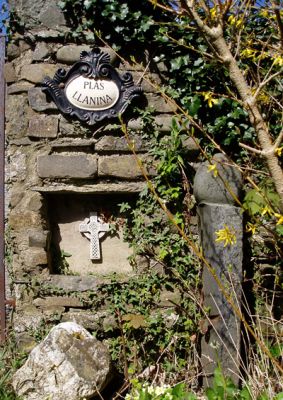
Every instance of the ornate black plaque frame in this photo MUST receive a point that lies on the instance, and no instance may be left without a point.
(94, 64)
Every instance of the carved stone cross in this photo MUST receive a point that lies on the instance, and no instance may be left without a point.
(94, 230)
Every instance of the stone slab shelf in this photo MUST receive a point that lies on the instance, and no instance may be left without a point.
(100, 188)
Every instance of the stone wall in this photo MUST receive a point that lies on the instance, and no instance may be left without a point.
(59, 171)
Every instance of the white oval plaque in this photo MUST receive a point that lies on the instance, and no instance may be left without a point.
(92, 94)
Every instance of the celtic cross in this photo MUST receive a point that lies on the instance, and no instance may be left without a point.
(94, 230)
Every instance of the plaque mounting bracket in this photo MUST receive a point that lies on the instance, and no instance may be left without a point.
(100, 91)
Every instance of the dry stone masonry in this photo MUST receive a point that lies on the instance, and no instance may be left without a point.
(62, 174)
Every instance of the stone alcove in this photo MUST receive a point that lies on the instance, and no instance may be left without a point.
(69, 245)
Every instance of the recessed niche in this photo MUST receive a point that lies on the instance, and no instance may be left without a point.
(81, 241)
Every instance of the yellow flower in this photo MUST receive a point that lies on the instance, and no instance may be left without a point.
(226, 235)
(210, 100)
(232, 19)
(251, 228)
(278, 151)
(213, 168)
(264, 13)
(213, 12)
(280, 219)
(249, 53)
(266, 210)
(278, 61)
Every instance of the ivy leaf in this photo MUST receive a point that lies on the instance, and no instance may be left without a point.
(135, 321)
(254, 202)
(279, 229)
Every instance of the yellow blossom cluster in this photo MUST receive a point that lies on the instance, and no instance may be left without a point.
(226, 235)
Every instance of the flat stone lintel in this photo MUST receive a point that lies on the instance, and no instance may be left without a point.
(73, 283)
(100, 188)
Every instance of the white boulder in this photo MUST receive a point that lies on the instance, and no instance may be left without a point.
(68, 364)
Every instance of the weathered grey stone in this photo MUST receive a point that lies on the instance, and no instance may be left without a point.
(114, 143)
(163, 123)
(20, 87)
(9, 73)
(88, 319)
(37, 72)
(34, 257)
(19, 219)
(43, 126)
(17, 166)
(52, 16)
(124, 167)
(32, 14)
(98, 188)
(226, 261)
(33, 202)
(67, 144)
(191, 145)
(38, 102)
(25, 342)
(37, 238)
(67, 166)
(24, 45)
(68, 364)
(28, 319)
(66, 128)
(71, 53)
(223, 188)
(58, 301)
(71, 283)
(159, 104)
(16, 111)
(13, 51)
(41, 51)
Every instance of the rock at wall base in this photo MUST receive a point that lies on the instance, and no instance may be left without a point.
(68, 364)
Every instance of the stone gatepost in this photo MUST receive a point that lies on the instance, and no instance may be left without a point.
(216, 187)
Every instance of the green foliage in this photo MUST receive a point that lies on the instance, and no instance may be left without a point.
(224, 389)
(10, 361)
(163, 392)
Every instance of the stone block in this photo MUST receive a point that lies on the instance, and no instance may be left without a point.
(33, 14)
(34, 202)
(71, 53)
(226, 262)
(68, 364)
(20, 87)
(9, 73)
(58, 301)
(43, 126)
(67, 166)
(25, 342)
(123, 166)
(37, 72)
(70, 129)
(41, 51)
(17, 166)
(163, 123)
(19, 219)
(222, 188)
(159, 104)
(37, 238)
(38, 101)
(16, 111)
(115, 143)
(72, 283)
(13, 51)
(87, 319)
(34, 257)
